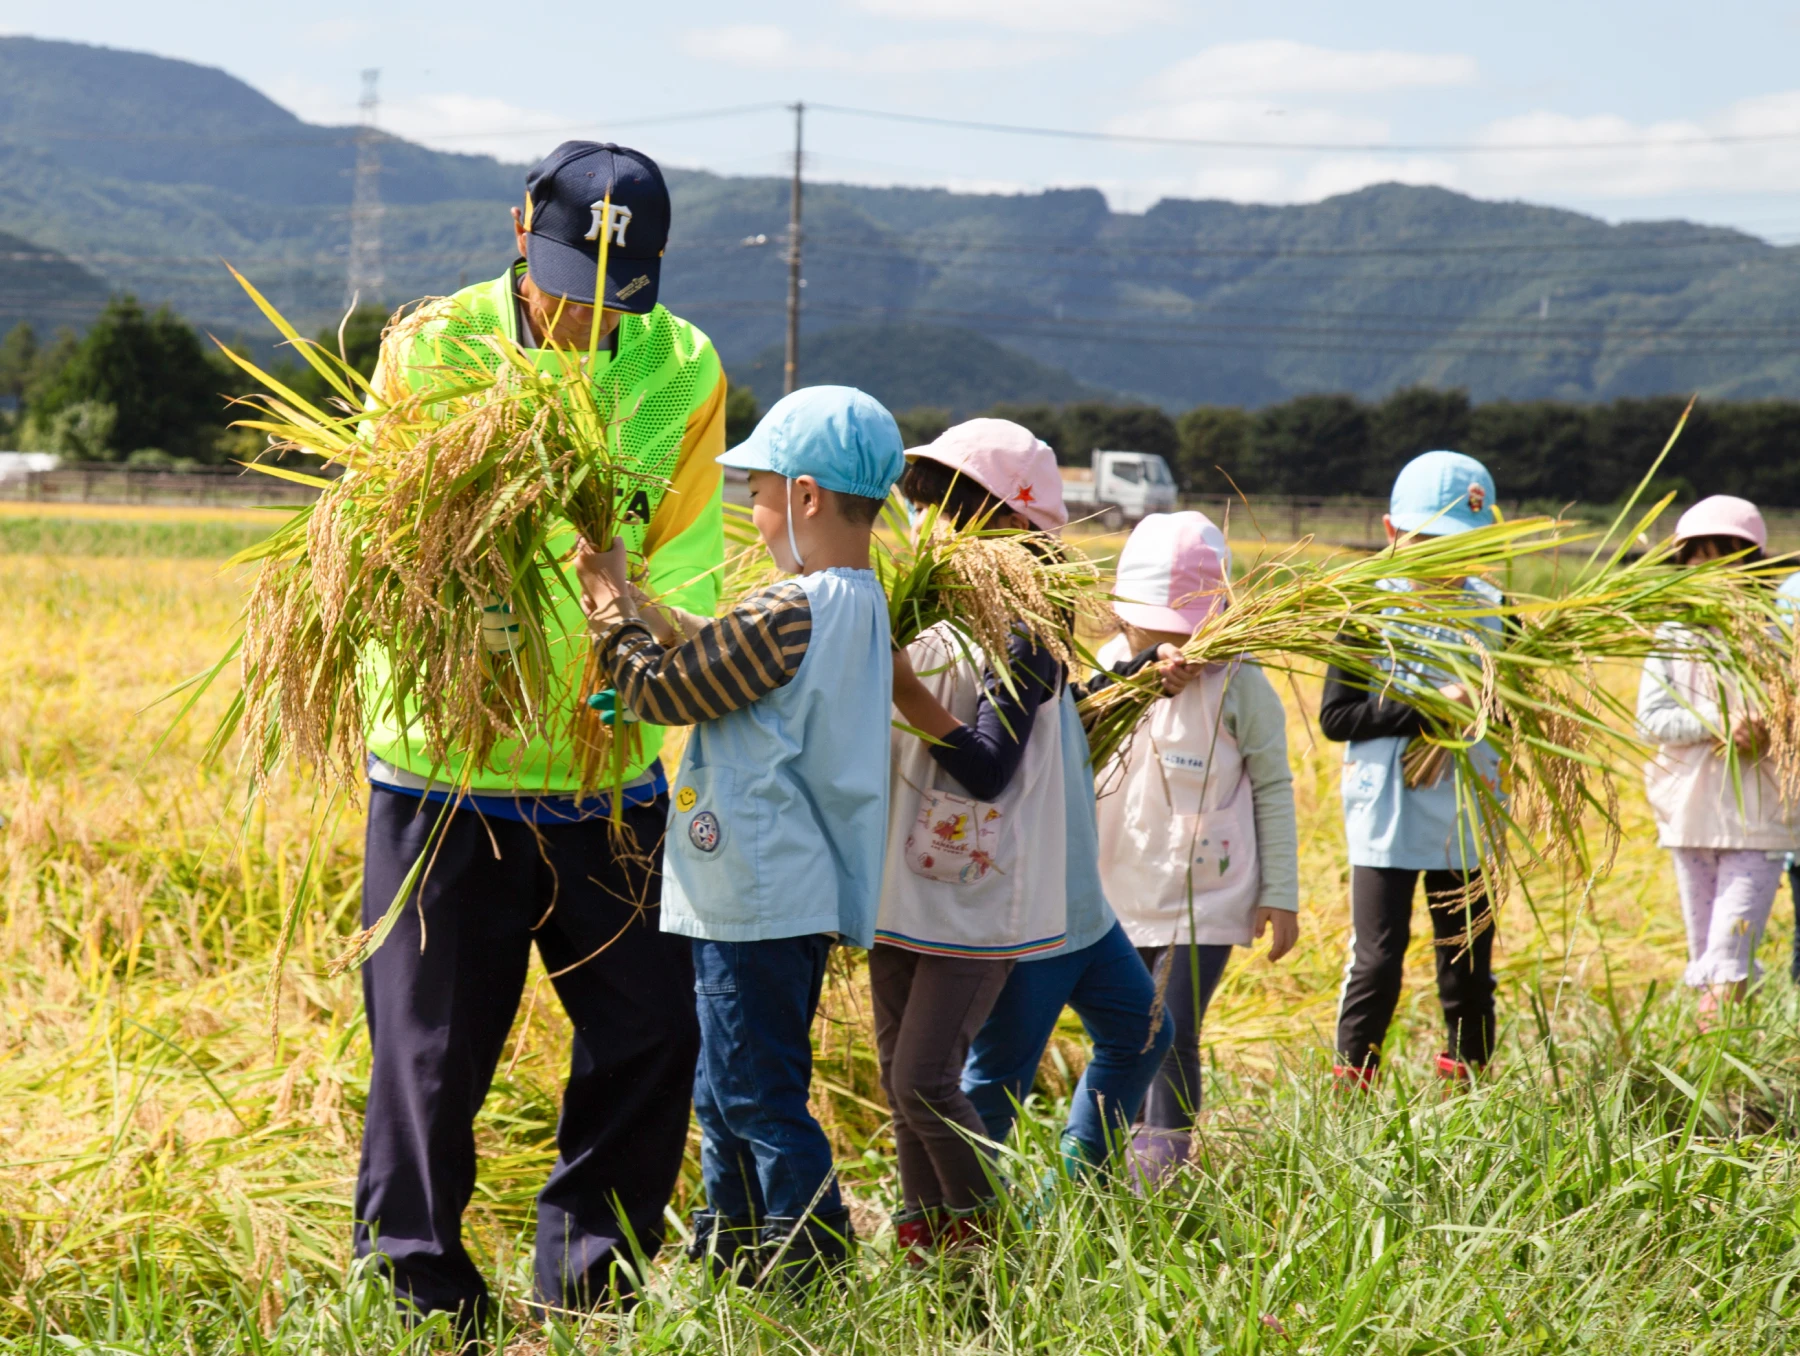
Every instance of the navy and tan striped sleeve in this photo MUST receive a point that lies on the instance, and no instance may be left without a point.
(730, 662)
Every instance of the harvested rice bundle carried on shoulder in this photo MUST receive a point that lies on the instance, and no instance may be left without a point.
(988, 584)
(420, 591)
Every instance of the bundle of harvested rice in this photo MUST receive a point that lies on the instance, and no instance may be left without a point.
(1401, 622)
(422, 583)
(988, 584)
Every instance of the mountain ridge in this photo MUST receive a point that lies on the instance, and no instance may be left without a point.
(1190, 302)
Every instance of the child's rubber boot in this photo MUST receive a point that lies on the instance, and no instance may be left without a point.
(1355, 1077)
(1078, 1160)
(1156, 1156)
(798, 1254)
(915, 1234)
(1455, 1073)
(975, 1227)
(728, 1246)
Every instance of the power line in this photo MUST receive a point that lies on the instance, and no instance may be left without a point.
(1314, 147)
(326, 135)
(316, 134)
(1300, 338)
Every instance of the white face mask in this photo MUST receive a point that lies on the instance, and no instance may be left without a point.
(793, 546)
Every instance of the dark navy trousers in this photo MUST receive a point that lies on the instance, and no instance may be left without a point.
(441, 995)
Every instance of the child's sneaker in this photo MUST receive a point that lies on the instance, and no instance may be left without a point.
(1155, 1157)
(1355, 1077)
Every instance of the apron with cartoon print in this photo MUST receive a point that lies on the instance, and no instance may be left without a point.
(967, 877)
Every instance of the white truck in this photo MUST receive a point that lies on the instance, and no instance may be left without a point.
(1119, 488)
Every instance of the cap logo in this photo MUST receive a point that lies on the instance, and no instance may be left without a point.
(612, 219)
(1024, 495)
(1477, 498)
(637, 284)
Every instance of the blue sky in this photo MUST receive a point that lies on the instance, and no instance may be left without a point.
(1660, 77)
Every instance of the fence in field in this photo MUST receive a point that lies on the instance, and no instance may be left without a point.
(1332, 521)
(220, 486)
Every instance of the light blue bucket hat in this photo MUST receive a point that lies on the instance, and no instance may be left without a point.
(842, 437)
(1438, 494)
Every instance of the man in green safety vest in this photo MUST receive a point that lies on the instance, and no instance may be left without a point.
(522, 857)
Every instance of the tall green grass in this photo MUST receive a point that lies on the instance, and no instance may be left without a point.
(1621, 1184)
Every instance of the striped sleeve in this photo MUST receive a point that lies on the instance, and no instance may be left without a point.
(730, 662)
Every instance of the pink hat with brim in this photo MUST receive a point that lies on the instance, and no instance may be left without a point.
(1172, 572)
(1007, 460)
(1723, 515)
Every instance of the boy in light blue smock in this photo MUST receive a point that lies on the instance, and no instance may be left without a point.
(778, 820)
(1397, 831)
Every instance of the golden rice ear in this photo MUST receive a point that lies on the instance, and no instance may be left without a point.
(456, 494)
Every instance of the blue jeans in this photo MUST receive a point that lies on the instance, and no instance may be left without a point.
(762, 1155)
(1112, 993)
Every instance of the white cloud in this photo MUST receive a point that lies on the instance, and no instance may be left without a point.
(313, 102)
(1276, 66)
(767, 47)
(335, 32)
(1641, 160)
(1249, 120)
(1030, 16)
(1224, 93)
(478, 124)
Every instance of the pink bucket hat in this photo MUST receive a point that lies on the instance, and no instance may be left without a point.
(1007, 460)
(1723, 515)
(1172, 572)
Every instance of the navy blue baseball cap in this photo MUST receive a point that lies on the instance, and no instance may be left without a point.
(565, 201)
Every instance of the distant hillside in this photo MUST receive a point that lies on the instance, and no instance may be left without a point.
(44, 288)
(909, 365)
(148, 170)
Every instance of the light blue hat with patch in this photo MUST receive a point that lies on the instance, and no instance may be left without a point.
(842, 437)
(1438, 494)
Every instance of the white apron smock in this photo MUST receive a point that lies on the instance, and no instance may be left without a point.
(1178, 854)
(1694, 796)
(1001, 878)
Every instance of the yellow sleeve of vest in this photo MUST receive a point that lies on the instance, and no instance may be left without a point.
(684, 542)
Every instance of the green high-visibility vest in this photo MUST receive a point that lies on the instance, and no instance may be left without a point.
(662, 372)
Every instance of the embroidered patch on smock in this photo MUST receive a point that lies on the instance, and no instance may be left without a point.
(685, 798)
(703, 831)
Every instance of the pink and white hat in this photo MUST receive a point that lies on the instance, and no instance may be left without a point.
(1007, 460)
(1723, 515)
(1172, 572)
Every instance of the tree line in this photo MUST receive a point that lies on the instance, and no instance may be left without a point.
(1543, 451)
(142, 387)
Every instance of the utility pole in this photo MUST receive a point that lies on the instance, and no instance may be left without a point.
(791, 371)
(365, 281)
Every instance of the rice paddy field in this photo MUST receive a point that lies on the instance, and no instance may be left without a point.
(178, 1138)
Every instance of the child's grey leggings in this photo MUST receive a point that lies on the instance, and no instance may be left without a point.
(927, 1011)
(1192, 974)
